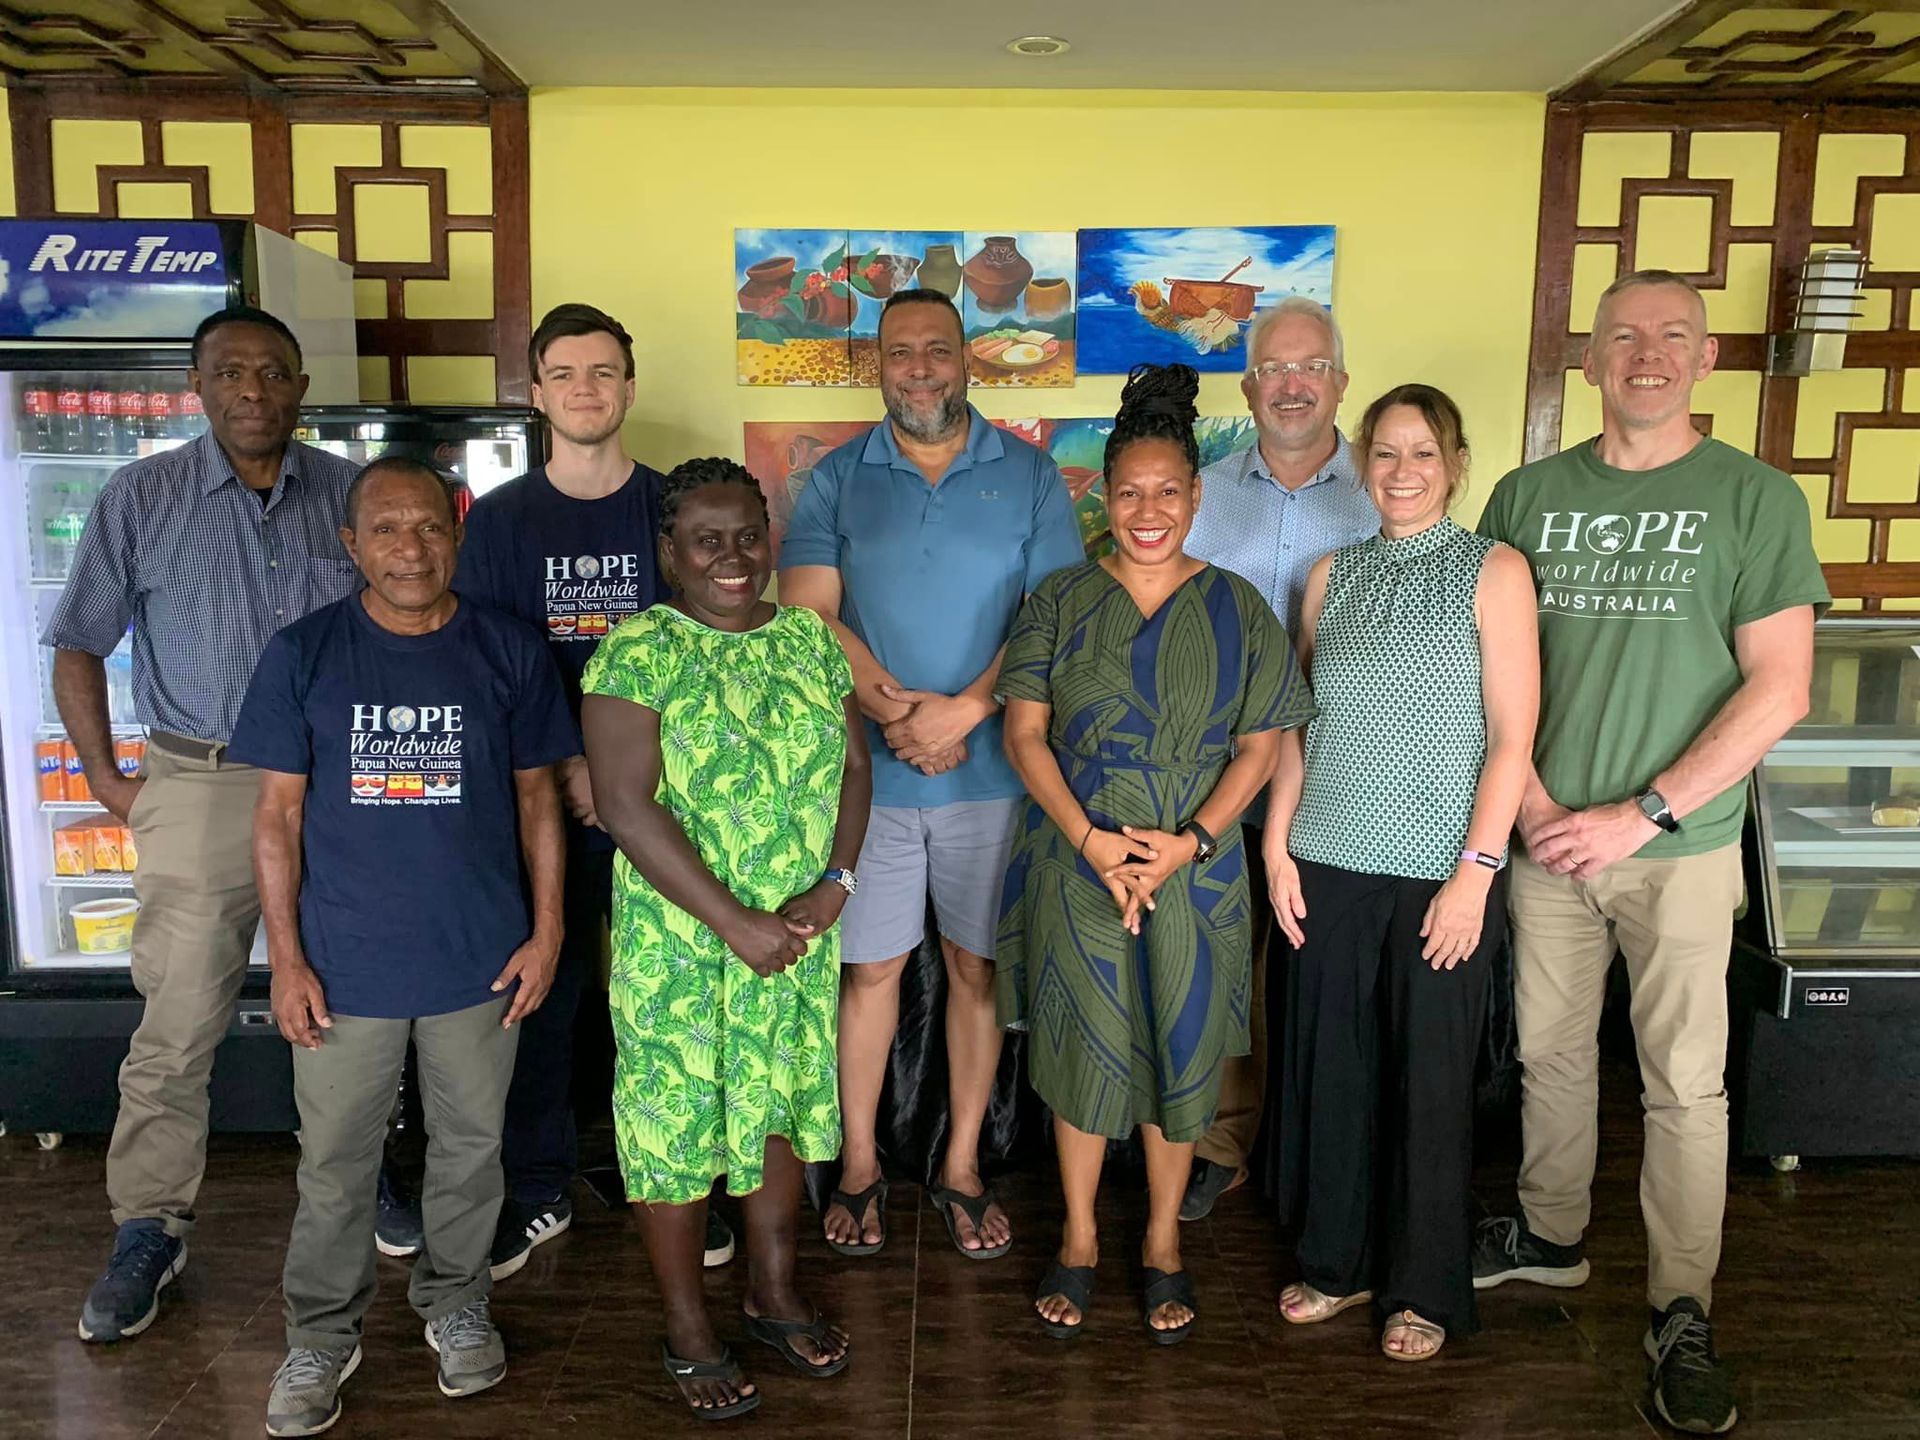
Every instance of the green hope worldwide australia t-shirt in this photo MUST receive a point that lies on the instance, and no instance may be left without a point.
(1643, 576)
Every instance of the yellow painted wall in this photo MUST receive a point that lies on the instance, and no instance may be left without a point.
(636, 194)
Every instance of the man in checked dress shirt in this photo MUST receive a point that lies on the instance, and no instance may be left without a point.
(1267, 513)
(205, 551)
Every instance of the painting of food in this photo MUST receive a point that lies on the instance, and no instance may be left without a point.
(1189, 295)
(882, 262)
(1017, 305)
(794, 307)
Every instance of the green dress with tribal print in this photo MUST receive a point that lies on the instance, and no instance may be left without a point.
(711, 1058)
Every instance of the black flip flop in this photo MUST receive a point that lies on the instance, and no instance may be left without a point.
(1165, 1289)
(857, 1206)
(725, 1368)
(975, 1209)
(1072, 1283)
(779, 1334)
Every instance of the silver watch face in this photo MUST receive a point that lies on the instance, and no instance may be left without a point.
(1651, 805)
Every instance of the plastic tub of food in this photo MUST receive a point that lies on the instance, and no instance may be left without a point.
(104, 927)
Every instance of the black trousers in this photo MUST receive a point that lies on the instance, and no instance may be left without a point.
(1377, 1099)
(540, 1146)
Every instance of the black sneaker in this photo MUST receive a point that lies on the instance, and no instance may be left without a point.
(1504, 1249)
(1206, 1183)
(1691, 1388)
(397, 1227)
(719, 1239)
(524, 1226)
(124, 1300)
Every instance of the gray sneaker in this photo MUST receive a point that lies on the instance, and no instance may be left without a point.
(306, 1390)
(473, 1357)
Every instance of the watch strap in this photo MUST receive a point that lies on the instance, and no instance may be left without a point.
(1199, 832)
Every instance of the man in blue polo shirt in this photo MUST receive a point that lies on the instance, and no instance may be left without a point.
(406, 739)
(917, 543)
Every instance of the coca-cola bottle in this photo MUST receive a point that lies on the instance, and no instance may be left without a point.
(70, 420)
(37, 418)
(129, 420)
(193, 416)
(99, 438)
(159, 414)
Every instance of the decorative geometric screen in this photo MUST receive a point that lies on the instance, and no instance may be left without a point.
(1734, 196)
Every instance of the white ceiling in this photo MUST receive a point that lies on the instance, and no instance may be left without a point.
(1530, 45)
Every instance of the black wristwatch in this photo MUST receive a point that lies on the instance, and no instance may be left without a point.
(1654, 806)
(1206, 842)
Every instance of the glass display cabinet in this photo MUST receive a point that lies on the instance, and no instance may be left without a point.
(1826, 975)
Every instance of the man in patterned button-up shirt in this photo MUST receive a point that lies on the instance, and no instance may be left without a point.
(1267, 513)
(205, 551)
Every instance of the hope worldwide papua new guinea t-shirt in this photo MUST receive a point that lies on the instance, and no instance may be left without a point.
(1643, 576)
(572, 568)
(411, 900)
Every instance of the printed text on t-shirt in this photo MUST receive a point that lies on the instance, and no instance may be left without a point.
(587, 595)
(1601, 574)
(406, 754)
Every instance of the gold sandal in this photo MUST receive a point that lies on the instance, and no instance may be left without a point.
(1320, 1306)
(1407, 1324)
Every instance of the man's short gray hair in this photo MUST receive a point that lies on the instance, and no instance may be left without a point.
(1296, 305)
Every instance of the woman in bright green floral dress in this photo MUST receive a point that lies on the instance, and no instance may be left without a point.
(730, 766)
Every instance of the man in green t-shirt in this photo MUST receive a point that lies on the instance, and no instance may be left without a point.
(1677, 591)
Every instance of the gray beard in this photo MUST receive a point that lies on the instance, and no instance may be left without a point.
(951, 415)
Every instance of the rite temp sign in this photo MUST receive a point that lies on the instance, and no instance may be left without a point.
(111, 279)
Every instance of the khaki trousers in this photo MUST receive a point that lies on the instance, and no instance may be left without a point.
(1672, 920)
(1243, 1078)
(193, 824)
(345, 1091)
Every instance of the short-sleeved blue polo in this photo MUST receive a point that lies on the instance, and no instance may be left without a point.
(933, 575)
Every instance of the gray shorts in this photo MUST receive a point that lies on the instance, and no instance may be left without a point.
(959, 851)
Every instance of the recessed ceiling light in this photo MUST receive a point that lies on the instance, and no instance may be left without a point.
(1038, 45)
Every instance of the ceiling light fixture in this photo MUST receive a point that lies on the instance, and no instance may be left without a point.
(1038, 45)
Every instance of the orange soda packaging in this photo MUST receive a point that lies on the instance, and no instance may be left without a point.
(129, 852)
(51, 763)
(129, 754)
(78, 791)
(104, 837)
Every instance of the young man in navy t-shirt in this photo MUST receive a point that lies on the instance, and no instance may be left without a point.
(406, 738)
(571, 549)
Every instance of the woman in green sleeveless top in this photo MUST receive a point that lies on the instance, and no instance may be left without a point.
(1420, 644)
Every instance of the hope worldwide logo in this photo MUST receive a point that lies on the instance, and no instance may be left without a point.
(587, 595)
(409, 755)
(1645, 564)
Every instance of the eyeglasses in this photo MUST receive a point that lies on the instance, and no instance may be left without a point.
(1270, 370)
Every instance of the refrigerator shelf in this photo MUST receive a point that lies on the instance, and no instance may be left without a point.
(110, 881)
(72, 807)
(91, 460)
(46, 730)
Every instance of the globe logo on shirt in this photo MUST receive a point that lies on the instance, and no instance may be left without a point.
(1607, 534)
(401, 718)
(586, 567)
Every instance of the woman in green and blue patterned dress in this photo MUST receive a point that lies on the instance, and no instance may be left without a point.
(1146, 692)
(730, 767)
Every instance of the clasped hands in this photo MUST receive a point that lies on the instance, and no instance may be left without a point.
(1134, 863)
(926, 729)
(768, 941)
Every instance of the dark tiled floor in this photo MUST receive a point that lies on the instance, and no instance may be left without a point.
(1815, 1309)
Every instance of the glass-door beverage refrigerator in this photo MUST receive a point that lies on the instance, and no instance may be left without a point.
(93, 374)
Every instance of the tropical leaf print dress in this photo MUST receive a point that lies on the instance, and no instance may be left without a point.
(1126, 1029)
(711, 1058)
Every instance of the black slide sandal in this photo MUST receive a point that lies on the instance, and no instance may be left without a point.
(725, 1368)
(857, 1206)
(974, 1207)
(1165, 1289)
(779, 1334)
(1072, 1283)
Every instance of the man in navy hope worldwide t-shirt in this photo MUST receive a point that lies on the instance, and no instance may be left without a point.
(571, 548)
(406, 737)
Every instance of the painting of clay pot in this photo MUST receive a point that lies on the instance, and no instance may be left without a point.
(889, 273)
(829, 309)
(997, 275)
(766, 280)
(1048, 297)
(941, 270)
